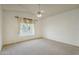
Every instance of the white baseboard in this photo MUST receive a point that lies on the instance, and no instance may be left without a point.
(23, 41)
(62, 42)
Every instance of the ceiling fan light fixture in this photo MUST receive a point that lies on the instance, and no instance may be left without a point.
(39, 15)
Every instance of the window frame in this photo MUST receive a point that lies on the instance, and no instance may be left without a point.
(27, 35)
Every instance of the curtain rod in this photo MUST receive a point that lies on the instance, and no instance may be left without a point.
(23, 17)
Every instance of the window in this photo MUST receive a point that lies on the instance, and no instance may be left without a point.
(26, 29)
(25, 26)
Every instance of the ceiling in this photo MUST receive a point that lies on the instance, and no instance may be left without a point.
(48, 9)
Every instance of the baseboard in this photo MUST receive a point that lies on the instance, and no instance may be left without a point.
(62, 42)
(22, 41)
(41, 38)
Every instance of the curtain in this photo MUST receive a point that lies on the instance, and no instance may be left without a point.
(24, 20)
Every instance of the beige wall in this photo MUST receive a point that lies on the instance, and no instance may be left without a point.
(63, 27)
(10, 27)
(0, 27)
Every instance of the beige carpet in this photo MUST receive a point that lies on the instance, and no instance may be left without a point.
(40, 47)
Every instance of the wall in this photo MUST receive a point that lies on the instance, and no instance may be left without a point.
(63, 27)
(0, 27)
(10, 27)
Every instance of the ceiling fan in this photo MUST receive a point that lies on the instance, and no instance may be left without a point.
(39, 12)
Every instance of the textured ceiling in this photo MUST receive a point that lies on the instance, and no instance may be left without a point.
(49, 9)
